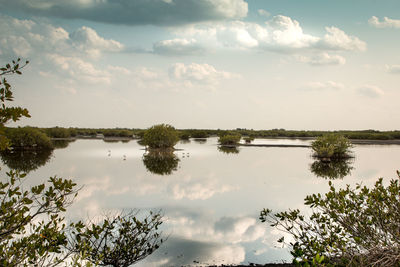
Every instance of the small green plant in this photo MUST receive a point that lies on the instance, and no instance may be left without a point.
(348, 227)
(160, 136)
(229, 139)
(331, 146)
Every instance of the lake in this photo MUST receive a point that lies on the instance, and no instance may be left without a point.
(210, 198)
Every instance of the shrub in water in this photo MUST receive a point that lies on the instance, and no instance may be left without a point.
(184, 136)
(161, 136)
(28, 138)
(229, 139)
(331, 146)
(199, 134)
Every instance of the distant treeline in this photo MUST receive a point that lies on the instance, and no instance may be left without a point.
(60, 132)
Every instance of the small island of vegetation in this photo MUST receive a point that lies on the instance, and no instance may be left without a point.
(331, 146)
(229, 139)
(161, 136)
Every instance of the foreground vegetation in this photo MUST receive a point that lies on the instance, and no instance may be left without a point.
(33, 231)
(348, 227)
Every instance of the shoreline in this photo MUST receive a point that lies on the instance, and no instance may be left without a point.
(353, 141)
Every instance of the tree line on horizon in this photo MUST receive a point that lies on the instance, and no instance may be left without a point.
(74, 132)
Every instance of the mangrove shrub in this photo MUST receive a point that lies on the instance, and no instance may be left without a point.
(120, 240)
(160, 136)
(331, 146)
(28, 138)
(59, 132)
(229, 139)
(348, 227)
(199, 134)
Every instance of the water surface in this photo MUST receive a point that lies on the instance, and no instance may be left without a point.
(210, 198)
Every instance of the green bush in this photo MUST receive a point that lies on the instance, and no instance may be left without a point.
(184, 136)
(117, 133)
(120, 240)
(57, 132)
(331, 146)
(161, 136)
(229, 139)
(347, 227)
(27, 138)
(199, 134)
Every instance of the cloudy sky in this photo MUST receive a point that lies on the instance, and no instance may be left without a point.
(258, 64)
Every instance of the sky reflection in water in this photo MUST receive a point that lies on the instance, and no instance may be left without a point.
(211, 199)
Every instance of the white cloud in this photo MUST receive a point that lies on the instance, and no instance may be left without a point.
(57, 53)
(393, 69)
(178, 47)
(87, 39)
(238, 229)
(80, 70)
(280, 33)
(263, 12)
(27, 38)
(198, 73)
(119, 70)
(371, 91)
(386, 23)
(324, 85)
(236, 35)
(202, 226)
(337, 39)
(322, 59)
(204, 188)
(288, 33)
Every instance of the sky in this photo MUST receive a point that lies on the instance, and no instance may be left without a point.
(256, 64)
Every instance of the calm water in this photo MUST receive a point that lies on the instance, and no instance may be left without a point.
(211, 199)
